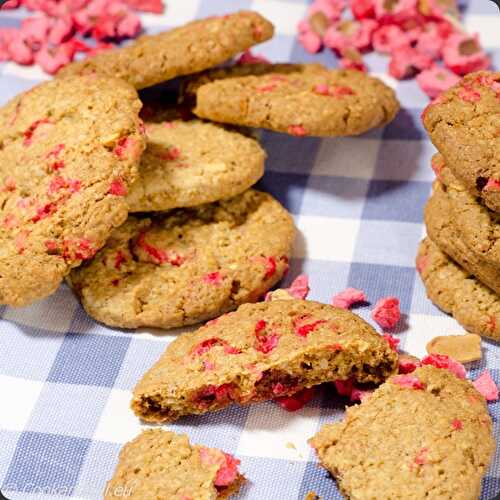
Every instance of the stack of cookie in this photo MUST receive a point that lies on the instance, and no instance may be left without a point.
(459, 261)
(155, 223)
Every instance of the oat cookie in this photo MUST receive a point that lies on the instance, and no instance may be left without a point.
(190, 86)
(196, 46)
(441, 228)
(463, 123)
(308, 102)
(188, 265)
(427, 434)
(69, 148)
(454, 290)
(162, 464)
(479, 227)
(189, 163)
(260, 352)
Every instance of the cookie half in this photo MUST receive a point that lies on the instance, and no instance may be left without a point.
(188, 163)
(463, 123)
(441, 228)
(457, 292)
(307, 102)
(196, 46)
(162, 464)
(69, 149)
(189, 265)
(478, 226)
(260, 352)
(427, 434)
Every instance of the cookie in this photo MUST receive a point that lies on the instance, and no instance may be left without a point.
(188, 265)
(190, 85)
(479, 227)
(427, 434)
(196, 46)
(189, 163)
(68, 151)
(454, 290)
(464, 123)
(308, 102)
(441, 228)
(261, 351)
(163, 464)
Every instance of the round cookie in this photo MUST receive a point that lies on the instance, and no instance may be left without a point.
(464, 123)
(189, 163)
(190, 85)
(196, 46)
(440, 223)
(188, 265)
(308, 102)
(478, 226)
(69, 148)
(427, 434)
(455, 291)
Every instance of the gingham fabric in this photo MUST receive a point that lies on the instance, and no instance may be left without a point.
(65, 380)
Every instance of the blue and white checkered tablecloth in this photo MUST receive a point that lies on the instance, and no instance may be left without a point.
(65, 380)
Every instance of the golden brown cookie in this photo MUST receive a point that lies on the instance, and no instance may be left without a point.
(193, 47)
(164, 465)
(190, 85)
(308, 102)
(478, 226)
(188, 265)
(69, 148)
(464, 123)
(427, 434)
(260, 352)
(441, 228)
(188, 163)
(454, 290)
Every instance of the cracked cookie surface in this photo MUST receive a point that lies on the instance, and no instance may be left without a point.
(464, 124)
(69, 148)
(196, 46)
(441, 228)
(259, 352)
(454, 290)
(188, 163)
(427, 434)
(314, 101)
(163, 464)
(188, 265)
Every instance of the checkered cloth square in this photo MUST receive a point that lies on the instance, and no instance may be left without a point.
(65, 380)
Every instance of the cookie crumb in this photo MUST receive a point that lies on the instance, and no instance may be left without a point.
(463, 348)
(311, 495)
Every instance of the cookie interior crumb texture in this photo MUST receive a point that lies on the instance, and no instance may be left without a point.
(314, 101)
(69, 149)
(162, 464)
(260, 352)
(188, 163)
(423, 435)
(188, 265)
(196, 46)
